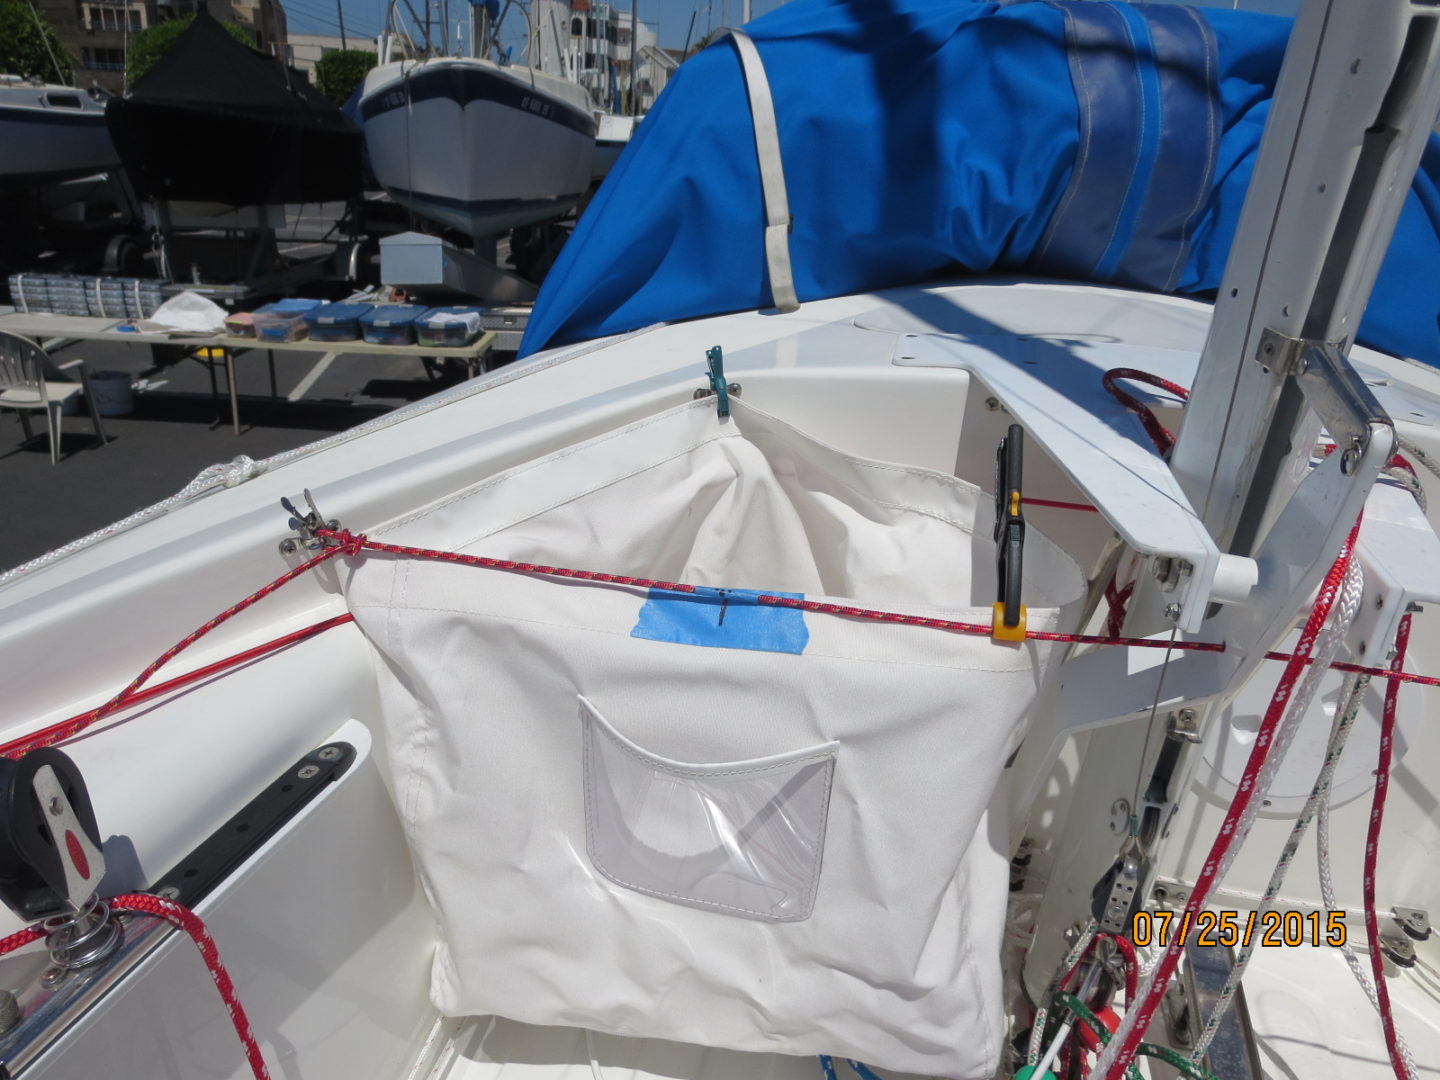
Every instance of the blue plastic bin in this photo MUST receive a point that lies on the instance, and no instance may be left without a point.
(336, 322)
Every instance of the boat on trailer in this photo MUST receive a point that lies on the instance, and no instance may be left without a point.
(476, 144)
(871, 678)
(51, 132)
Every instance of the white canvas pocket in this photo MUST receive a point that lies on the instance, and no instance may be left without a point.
(744, 837)
(679, 867)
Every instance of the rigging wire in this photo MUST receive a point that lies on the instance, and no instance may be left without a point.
(1239, 816)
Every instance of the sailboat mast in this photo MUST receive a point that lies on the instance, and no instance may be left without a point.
(1354, 106)
(634, 54)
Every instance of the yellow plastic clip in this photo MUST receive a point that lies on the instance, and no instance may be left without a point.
(1000, 632)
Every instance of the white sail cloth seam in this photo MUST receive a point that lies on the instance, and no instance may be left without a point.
(676, 453)
(772, 174)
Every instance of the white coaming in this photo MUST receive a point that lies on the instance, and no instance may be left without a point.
(325, 933)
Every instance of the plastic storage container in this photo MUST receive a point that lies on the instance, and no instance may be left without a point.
(279, 326)
(284, 320)
(336, 322)
(241, 324)
(448, 327)
(391, 324)
(290, 307)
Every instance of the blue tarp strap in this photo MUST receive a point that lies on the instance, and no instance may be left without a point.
(1145, 84)
(772, 174)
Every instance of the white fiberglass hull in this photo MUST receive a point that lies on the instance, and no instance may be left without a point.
(476, 146)
(50, 133)
(612, 136)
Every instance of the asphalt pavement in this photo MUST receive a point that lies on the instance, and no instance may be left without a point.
(178, 428)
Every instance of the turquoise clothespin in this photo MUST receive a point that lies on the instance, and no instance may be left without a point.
(715, 361)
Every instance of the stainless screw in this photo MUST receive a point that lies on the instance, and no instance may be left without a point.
(52, 977)
(56, 806)
(169, 892)
(289, 546)
(329, 753)
(1349, 461)
(1172, 612)
(308, 772)
(993, 404)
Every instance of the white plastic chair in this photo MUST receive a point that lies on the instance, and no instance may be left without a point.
(25, 388)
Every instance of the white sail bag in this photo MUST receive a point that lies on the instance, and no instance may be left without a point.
(696, 816)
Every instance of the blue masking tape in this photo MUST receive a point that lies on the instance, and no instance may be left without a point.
(722, 619)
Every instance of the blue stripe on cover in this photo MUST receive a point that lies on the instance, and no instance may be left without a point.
(1144, 82)
(953, 145)
(722, 619)
(1103, 72)
(1185, 63)
(1147, 140)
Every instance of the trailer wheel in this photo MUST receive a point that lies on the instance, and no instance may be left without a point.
(123, 257)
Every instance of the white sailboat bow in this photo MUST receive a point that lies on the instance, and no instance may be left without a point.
(662, 706)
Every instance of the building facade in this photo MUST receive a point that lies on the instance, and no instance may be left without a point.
(305, 50)
(96, 34)
(589, 42)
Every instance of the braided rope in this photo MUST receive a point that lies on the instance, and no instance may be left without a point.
(1067, 965)
(1357, 687)
(1159, 434)
(1404, 1070)
(1419, 454)
(70, 728)
(182, 917)
(1344, 615)
(243, 468)
(1239, 817)
(226, 474)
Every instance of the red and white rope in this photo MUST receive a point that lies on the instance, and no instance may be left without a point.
(351, 544)
(1350, 699)
(1239, 817)
(68, 729)
(1159, 434)
(1404, 1070)
(1343, 616)
(180, 916)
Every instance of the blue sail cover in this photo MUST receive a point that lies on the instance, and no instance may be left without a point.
(1102, 141)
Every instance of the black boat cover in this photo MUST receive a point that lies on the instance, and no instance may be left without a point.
(217, 121)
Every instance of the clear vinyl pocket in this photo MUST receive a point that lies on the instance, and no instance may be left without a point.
(744, 837)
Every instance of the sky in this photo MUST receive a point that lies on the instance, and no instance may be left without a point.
(364, 18)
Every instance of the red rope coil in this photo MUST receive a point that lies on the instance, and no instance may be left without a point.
(1159, 434)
